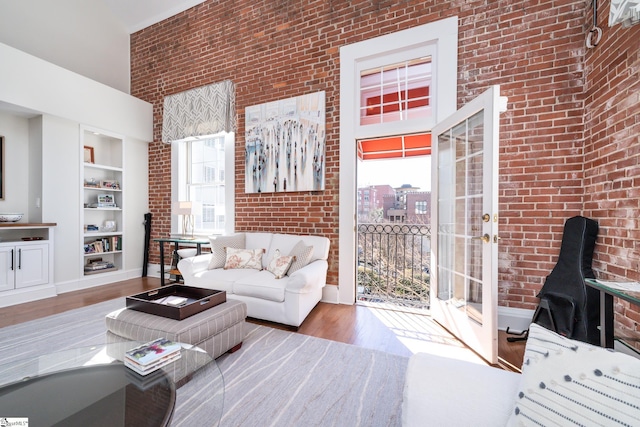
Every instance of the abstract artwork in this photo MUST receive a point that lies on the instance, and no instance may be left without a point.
(285, 145)
(625, 12)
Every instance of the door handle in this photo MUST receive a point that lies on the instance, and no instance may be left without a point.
(485, 238)
(19, 259)
(12, 259)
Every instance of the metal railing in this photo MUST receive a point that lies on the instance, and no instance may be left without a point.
(393, 264)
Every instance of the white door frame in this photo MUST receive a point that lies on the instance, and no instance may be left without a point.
(440, 37)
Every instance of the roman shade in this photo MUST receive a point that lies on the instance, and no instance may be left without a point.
(205, 110)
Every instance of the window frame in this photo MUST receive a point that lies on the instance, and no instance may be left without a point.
(180, 176)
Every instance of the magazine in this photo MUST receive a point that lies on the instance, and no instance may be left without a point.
(151, 352)
(147, 369)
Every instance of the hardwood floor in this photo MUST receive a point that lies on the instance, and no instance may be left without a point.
(385, 330)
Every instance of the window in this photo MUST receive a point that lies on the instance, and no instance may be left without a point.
(421, 208)
(396, 92)
(201, 178)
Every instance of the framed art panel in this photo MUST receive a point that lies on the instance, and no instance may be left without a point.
(285, 145)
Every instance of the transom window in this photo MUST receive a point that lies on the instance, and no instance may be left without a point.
(395, 92)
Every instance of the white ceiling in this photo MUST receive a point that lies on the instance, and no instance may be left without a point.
(139, 14)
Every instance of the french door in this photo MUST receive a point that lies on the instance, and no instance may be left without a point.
(464, 265)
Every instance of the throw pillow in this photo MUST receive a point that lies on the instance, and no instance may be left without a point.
(243, 258)
(280, 264)
(568, 382)
(218, 251)
(303, 254)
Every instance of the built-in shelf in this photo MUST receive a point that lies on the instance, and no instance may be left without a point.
(101, 184)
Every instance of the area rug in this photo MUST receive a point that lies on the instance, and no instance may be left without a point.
(277, 378)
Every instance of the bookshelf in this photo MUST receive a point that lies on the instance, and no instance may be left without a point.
(102, 195)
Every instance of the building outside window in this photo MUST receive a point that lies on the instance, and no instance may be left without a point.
(202, 179)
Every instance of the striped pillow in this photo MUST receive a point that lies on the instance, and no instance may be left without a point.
(302, 256)
(567, 382)
(218, 248)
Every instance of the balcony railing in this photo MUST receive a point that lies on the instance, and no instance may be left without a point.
(393, 264)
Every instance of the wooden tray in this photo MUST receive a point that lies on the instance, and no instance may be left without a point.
(155, 301)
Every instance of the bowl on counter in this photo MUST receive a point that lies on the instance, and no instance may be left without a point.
(10, 217)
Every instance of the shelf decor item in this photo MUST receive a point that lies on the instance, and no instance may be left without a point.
(106, 201)
(88, 154)
(10, 217)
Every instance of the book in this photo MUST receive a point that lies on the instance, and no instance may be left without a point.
(152, 367)
(154, 351)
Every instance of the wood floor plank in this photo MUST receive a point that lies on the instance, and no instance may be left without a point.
(384, 330)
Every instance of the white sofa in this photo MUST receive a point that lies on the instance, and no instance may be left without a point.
(563, 382)
(287, 300)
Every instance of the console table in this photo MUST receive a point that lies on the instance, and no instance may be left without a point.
(177, 241)
(606, 307)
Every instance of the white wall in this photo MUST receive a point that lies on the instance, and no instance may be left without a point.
(82, 36)
(42, 107)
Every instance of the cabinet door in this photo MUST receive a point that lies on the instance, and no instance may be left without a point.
(7, 276)
(32, 265)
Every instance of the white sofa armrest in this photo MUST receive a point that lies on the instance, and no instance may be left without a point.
(190, 266)
(441, 391)
(312, 275)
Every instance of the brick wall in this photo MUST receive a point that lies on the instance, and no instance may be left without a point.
(612, 156)
(534, 49)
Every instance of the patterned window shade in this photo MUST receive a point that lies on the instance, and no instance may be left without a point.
(205, 110)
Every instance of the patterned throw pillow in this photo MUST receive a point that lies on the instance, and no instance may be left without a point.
(218, 251)
(302, 256)
(280, 264)
(568, 382)
(244, 258)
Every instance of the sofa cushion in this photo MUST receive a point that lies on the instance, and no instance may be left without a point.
(286, 242)
(568, 382)
(219, 278)
(279, 264)
(263, 285)
(259, 241)
(244, 258)
(218, 251)
(302, 254)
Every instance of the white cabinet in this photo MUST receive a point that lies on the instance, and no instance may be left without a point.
(26, 261)
(23, 265)
(102, 212)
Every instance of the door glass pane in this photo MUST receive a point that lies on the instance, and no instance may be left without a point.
(460, 216)
(446, 209)
(475, 135)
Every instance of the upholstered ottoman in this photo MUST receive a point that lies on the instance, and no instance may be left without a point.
(217, 330)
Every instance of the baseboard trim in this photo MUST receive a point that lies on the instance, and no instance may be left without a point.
(330, 294)
(23, 295)
(516, 319)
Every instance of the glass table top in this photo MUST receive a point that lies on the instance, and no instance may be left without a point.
(628, 291)
(98, 379)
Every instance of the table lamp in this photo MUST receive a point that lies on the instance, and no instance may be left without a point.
(185, 209)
